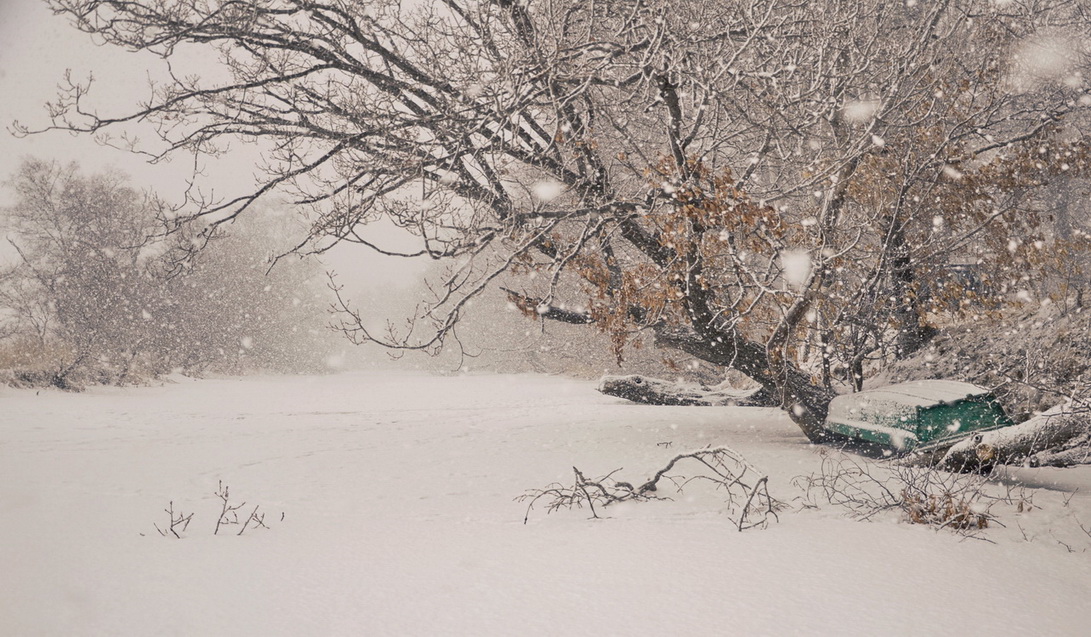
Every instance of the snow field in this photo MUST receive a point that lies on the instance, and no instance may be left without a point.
(397, 493)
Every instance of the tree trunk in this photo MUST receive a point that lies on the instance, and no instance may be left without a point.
(912, 331)
(792, 390)
(787, 386)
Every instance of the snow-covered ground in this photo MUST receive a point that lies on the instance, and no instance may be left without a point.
(398, 519)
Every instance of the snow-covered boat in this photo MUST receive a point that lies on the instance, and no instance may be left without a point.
(918, 415)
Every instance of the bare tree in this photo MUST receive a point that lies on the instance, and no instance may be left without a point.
(91, 295)
(747, 180)
(81, 280)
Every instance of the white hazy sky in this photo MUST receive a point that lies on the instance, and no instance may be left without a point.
(37, 47)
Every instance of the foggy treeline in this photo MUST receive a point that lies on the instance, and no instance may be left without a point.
(96, 293)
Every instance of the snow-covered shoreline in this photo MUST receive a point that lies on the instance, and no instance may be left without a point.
(397, 494)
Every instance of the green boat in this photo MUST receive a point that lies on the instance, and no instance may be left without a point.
(916, 416)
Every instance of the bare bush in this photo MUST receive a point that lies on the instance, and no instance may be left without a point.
(93, 297)
(922, 495)
(746, 488)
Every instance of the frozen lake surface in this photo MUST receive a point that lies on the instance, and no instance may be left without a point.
(396, 493)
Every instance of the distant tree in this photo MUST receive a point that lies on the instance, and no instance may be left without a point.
(82, 280)
(756, 183)
(90, 286)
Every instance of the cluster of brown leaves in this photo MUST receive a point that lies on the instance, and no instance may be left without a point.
(721, 237)
(942, 511)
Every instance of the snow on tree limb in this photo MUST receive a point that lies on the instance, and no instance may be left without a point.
(1036, 441)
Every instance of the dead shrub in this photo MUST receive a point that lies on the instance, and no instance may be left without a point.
(923, 495)
(30, 363)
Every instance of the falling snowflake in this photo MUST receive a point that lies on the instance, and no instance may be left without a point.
(1042, 59)
(548, 190)
(859, 111)
(796, 265)
(952, 173)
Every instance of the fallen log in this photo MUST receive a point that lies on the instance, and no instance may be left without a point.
(1074, 452)
(653, 391)
(1054, 437)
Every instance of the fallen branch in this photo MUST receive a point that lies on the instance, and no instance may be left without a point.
(746, 488)
(653, 391)
(1052, 438)
(604, 491)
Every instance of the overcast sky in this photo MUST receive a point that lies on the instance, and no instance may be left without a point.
(37, 47)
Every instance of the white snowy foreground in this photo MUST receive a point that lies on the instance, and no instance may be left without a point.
(398, 519)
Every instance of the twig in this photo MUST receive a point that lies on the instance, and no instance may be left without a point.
(175, 520)
(227, 510)
(258, 520)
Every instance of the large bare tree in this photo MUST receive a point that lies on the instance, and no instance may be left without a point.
(742, 178)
